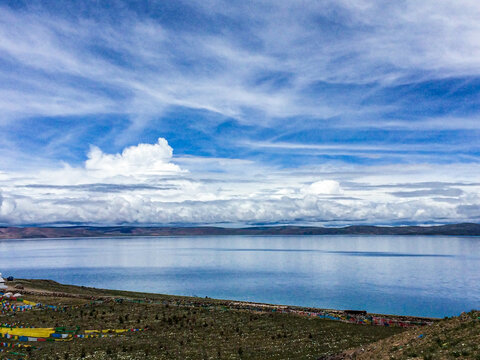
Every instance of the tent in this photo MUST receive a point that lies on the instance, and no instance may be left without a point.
(2, 283)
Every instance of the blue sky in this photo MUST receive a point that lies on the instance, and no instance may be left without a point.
(204, 112)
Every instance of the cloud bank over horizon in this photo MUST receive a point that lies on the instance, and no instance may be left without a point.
(213, 112)
(144, 185)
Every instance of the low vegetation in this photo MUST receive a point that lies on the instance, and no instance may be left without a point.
(175, 329)
(454, 338)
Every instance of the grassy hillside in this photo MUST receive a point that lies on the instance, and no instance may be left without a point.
(196, 328)
(176, 327)
(454, 338)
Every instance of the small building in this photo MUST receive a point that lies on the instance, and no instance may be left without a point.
(2, 283)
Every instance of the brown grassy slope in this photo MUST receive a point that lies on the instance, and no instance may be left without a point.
(178, 330)
(454, 338)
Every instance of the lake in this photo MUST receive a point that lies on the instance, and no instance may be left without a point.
(414, 275)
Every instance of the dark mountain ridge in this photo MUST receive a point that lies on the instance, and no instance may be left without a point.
(463, 229)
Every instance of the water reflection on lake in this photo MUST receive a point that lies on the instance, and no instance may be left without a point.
(424, 276)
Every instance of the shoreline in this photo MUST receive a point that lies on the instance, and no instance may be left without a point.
(228, 235)
(54, 321)
(52, 232)
(343, 315)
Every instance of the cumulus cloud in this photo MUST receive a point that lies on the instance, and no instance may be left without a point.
(144, 184)
(7, 206)
(342, 65)
(143, 159)
(324, 187)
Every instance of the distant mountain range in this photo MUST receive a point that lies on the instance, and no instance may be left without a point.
(465, 229)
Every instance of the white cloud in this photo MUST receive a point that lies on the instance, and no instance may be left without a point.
(381, 42)
(324, 187)
(7, 206)
(136, 68)
(144, 184)
(142, 159)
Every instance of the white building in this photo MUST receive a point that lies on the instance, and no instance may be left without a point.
(2, 283)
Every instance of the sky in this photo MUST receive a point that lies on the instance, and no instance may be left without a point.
(239, 113)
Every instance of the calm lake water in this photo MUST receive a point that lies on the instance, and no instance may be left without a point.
(424, 276)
